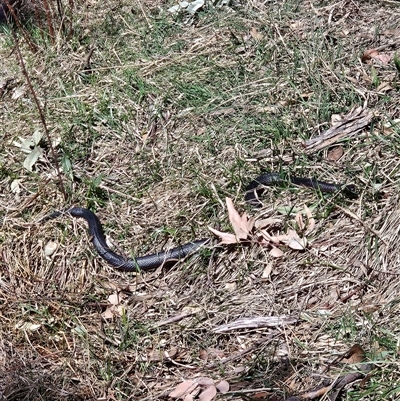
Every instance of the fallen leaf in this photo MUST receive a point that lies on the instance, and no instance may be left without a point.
(205, 381)
(266, 222)
(255, 34)
(368, 54)
(299, 220)
(383, 58)
(208, 394)
(226, 238)
(18, 92)
(33, 157)
(108, 314)
(267, 271)
(311, 220)
(223, 386)
(182, 388)
(239, 223)
(355, 355)
(113, 299)
(298, 244)
(373, 54)
(276, 253)
(50, 248)
(291, 239)
(335, 154)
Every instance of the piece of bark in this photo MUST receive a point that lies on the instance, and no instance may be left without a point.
(351, 125)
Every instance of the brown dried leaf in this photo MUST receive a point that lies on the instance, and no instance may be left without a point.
(108, 314)
(311, 220)
(223, 386)
(113, 299)
(355, 355)
(368, 54)
(205, 381)
(182, 388)
(267, 271)
(239, 223)
(373, 54)
(276, 253)
(264, 223)
(299, 220)
(226, 238)
(255, 34)
(208, 394)
(383, 58)
(335, 154)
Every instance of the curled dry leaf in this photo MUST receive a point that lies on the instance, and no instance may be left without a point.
(373, 54)
(255, 34)
(242, 226)
(335, 154)
(208, 394)
(113, 299)
(264, 223)
(182, 388)
(223, 386)
(239, 223)
(276, 253)
(226, 238)
(355, 355)
(299, 221)
(205, 381)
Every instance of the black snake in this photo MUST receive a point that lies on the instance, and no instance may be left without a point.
(155, 260)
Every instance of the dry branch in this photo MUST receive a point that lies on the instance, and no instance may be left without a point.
(256, 323)
(351, 125)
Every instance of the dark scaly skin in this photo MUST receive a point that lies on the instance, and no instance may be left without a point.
(147, 262)
(173, 255)
(270, 179)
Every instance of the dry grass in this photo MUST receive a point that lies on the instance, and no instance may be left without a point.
(154, 128)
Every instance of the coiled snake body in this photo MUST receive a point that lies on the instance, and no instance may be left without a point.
(155, 260)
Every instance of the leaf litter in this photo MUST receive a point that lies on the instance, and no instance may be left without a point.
(203, 388)
(264, 231)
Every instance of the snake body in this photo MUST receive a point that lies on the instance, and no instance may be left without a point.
(270, 179)
(121, 263)
(173, 255)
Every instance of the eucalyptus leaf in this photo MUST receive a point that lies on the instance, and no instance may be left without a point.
(33, 157)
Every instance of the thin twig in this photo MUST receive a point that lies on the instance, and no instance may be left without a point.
(41, 114)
